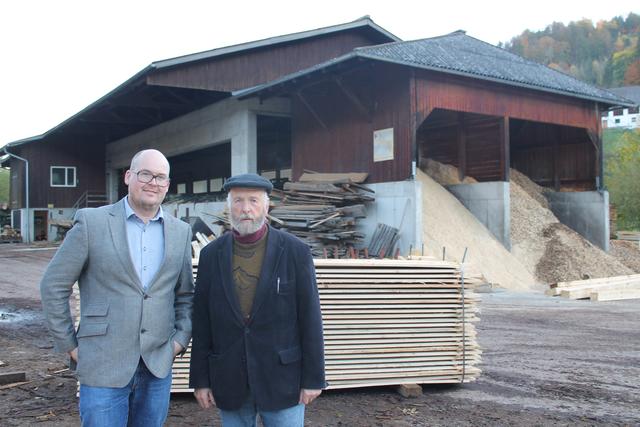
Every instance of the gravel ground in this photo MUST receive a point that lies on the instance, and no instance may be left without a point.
(547, 361)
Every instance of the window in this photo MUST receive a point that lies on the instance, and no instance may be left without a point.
(200, 186)
(63, 176)
(215, 184)
(634, 110)
(618, 111)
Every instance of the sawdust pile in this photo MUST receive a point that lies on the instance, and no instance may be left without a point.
(444, 174)
(628, 253)
(550, 250)
(447, 223)
(543, 250)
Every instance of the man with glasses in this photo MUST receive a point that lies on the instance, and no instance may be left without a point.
(133, 267)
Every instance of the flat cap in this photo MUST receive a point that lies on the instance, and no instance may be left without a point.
(248, 180)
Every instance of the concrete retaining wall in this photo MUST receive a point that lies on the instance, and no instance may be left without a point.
(586, 212)
(490, 203)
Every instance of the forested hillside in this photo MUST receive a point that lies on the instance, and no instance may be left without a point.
(606, 53)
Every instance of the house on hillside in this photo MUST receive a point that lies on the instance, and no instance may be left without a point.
(347, 98)
(621, 116)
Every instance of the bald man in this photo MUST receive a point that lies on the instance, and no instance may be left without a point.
(133, 266)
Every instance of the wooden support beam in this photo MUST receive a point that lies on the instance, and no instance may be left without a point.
(12, 377)
(366, 112)
(409, 390)
(556, 163)
(505, 155)
(462, 147)
(311, 109)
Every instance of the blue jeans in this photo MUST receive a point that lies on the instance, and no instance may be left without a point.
(247, 415)
(142, 402)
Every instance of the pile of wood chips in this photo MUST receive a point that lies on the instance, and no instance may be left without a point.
(603, 289)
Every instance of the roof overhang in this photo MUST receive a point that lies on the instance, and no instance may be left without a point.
(277, 86)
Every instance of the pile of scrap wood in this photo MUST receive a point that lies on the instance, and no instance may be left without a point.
(391, 322)
(200, 241)
(9, 235)
(604, 289)
(322, 209)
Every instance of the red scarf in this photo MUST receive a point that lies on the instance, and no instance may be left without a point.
(250, 238)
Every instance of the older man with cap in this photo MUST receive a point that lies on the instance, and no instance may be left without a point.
(257, 328)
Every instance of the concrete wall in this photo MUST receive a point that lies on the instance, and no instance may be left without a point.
(585, 212)
(398, 204)
(490, 203)
(228, 120)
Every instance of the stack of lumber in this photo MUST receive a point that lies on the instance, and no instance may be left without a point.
(390, 322)
(632, 236)
(604, 289)
(322, 210)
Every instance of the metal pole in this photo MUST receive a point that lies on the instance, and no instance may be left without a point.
(26, 184)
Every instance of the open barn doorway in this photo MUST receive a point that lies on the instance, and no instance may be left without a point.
(274, 148)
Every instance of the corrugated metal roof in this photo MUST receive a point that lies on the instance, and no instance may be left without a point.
(632, 93)
(459, 54)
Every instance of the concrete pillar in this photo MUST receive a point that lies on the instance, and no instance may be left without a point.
(244, 145)
(111, 183)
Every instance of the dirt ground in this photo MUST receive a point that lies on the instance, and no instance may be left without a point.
(547, 361)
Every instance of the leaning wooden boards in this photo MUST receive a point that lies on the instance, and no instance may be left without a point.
(391, 322)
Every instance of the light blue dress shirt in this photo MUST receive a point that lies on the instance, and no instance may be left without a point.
(146, 243)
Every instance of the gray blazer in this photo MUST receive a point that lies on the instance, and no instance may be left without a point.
(120, 322)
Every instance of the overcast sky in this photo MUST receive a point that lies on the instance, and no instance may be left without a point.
(58, 56)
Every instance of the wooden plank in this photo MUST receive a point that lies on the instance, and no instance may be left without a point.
(583, 293)
(615, 294)
(336, 178)
(612, 279)
(12, 377)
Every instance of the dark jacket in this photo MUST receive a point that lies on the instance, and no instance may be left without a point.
(280, 349)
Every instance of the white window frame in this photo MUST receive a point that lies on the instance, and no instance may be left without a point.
(66, 184)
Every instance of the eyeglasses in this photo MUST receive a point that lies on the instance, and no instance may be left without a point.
(146, 177)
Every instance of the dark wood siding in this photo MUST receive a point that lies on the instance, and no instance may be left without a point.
(548, 134)
(435, 90)
(346, 143)
(464, 140)
(247, 69)
(562, 157)
(17, 190)
(88, 158)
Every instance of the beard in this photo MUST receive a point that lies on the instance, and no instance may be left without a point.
(245, 224)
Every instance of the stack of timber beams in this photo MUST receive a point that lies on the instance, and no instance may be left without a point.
(603, 289)
(322, 210)
(391, 322)
(631, 236)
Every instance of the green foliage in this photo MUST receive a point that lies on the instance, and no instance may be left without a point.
(622, 175)
(4, 185)
(599, 54)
